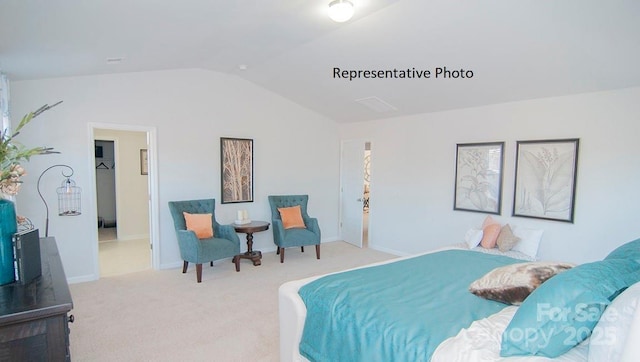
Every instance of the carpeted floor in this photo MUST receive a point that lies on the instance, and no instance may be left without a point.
(123, 257)
(166, 316)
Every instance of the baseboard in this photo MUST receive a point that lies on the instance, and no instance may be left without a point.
(177, 264)
(133, 237)
(82, 279)
(388, 251)
(330, 239)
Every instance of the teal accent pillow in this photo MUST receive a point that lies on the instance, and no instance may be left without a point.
(630, 250)
(563, 311)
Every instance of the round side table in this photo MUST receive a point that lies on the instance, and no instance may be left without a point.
(254, 255)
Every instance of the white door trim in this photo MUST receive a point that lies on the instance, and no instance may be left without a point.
(154, 227)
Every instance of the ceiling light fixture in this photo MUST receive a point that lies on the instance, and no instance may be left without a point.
(340, 10)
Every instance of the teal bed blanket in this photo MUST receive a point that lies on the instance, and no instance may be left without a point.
(399, 311)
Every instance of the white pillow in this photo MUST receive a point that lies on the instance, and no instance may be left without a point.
(607, 342)
(473, 237)
(529, 240)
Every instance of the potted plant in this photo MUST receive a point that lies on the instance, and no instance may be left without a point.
(12, 153)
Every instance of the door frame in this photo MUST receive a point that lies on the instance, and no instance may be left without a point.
(154, 227)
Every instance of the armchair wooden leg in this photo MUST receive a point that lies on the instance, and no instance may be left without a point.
(211, 263)
(236, 261)
(318, 251)
(302, 249)
(184, 266)
(281, 255)
(278, 251)
(199, 272)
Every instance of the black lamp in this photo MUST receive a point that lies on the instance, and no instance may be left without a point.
(69, 196)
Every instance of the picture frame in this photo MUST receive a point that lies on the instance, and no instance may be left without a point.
(545, 179)
(144, 161)
(236, 170)
(478, 177)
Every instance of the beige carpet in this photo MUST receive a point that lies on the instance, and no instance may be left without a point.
(123, 257)
(166, 316)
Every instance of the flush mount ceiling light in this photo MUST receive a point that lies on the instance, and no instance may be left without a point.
(340, 10)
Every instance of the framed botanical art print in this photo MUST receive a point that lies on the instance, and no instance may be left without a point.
(479, 177)
(236, 162)
(545, 184)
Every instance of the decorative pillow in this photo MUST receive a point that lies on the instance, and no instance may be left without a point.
(488, 221)
(529, 240)
(490, 236)
(563, 311)
(506, 240)
(473, 237)
(291, 217)
(511, 284)
(630, 250)
(201, 224)
(607, 342)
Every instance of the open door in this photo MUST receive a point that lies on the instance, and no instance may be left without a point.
(352, 191)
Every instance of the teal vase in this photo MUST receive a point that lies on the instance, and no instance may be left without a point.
(8, 227)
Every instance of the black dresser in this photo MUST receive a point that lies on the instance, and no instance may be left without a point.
(34, 317)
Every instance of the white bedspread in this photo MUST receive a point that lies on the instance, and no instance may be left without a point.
(481, 342)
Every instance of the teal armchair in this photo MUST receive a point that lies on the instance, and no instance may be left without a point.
(225, 243)
(284, 238)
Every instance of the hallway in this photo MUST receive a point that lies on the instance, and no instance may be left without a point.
(121, 257)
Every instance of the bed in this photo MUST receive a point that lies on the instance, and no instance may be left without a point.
(438, 319)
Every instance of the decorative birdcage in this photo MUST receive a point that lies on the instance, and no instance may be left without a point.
(69, 198)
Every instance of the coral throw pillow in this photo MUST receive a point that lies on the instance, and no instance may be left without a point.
(201, 224)
(490, 236)
(291, 217)
(488, 221)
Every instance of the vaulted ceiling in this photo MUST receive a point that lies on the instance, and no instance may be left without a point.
(515, 49)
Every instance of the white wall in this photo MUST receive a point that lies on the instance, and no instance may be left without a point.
(412, 172)
(295, 150)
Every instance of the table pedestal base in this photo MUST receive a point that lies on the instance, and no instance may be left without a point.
(255, 256)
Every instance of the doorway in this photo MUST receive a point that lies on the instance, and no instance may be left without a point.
(355, 191)
(122, 201)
